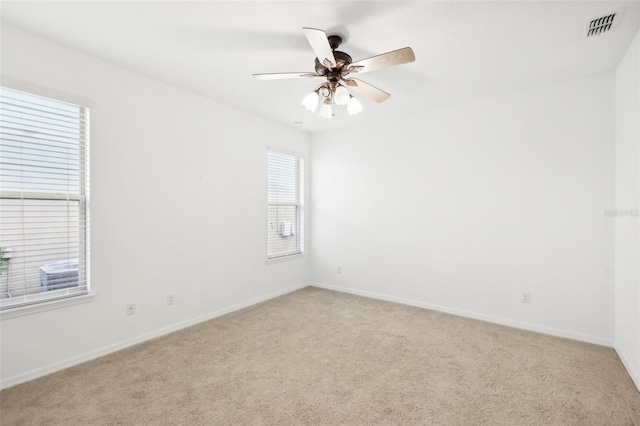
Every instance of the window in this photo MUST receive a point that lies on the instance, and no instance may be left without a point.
(285, 210)
(44, 199)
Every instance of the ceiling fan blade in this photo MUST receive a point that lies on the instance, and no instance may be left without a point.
(366, 89)
(320, 45)
(389, 59)
(283, 75)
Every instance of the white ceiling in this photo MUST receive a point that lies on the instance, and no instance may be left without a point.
(464, 50)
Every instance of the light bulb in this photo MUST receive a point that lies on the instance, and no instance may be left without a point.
(310, 101)
(326, 111)
(354, 106)
(341, 96)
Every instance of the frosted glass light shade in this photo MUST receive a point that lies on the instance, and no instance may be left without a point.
(326, 111)
(310, 101)
(354, 106)
(341, 95)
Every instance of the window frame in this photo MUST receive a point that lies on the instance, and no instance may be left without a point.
(300, 214)
(38, 302)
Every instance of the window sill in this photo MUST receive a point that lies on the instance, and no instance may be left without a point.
(284, 258)
(46, 306)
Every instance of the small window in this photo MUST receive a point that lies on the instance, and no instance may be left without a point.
(285, 209)
(44, 199)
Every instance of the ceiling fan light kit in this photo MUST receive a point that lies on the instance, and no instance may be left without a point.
(326, 110)
(336, 67)
(310, 101)
(330, 96)
(353, 106)
(341, 95)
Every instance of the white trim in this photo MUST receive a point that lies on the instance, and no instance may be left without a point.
(70, 362)
(21, 94)
(284, 258)
(302, 198)
(473, 315)
(45, 306)
(45, 92)
(285, 151)
(32, 195)
(632, 372)
(88, 356)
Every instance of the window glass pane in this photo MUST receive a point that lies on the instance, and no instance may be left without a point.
(282, 178)
(285, 214)
(43, 236)
(282, 230)
(43, 199)
(40, 148)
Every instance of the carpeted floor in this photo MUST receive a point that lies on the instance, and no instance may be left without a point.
(316, 357)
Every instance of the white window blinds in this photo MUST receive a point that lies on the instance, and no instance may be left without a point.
(44, 198)
(285, 209)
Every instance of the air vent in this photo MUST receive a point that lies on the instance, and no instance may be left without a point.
(603, 24)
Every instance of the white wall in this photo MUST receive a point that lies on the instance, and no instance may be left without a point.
(627, 197)
(459, 209)
(462, 209)
(178, 205)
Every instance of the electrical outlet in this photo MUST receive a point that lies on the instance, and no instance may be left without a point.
(339, 269)
(526, 297)
(131, 308)
(169, 299)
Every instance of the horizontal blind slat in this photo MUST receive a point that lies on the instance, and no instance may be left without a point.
(37, 110)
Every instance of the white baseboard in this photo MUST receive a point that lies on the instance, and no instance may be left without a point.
(79, 359)
(88, 356)
(473, 315)
(630, 369)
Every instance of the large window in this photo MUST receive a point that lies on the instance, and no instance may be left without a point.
(285, 210)
(44, 199)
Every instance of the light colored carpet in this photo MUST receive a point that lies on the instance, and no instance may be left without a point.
(316, 357)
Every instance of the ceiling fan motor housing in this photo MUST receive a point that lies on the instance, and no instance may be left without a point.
(342, 61)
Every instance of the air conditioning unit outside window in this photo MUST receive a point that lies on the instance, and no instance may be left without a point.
(286, 229)
(58, 275)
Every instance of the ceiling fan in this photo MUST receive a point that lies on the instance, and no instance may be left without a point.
(337, 68)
